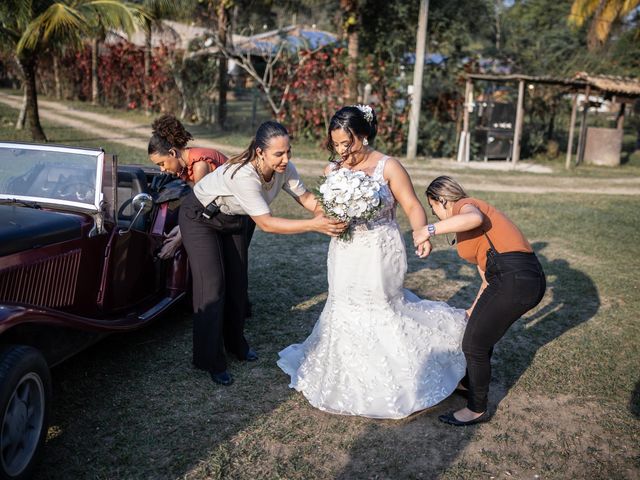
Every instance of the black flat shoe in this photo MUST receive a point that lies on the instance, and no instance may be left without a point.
(250, 356)
(223, 378)
(452, 420)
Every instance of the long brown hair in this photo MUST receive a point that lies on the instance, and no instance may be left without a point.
(266, 131)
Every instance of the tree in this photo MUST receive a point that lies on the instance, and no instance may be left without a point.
(223, 21)
(604, 15)
(351, 24)
(157, 11)
(33, 26)
(272, 67)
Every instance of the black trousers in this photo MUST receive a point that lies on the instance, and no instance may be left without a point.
(217, 250)
(516, 284)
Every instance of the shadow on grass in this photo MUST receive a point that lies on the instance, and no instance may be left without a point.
(634, 401)
(421, 446)
(572, 299)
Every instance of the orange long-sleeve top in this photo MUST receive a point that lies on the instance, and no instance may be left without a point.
(506, 236)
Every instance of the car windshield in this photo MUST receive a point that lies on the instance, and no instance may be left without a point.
(51, 174)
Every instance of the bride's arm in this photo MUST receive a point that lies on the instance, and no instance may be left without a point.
(402, 189)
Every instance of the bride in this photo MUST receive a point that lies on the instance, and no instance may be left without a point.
(377, 350)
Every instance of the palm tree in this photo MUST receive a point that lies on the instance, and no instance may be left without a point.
(156, 11)
(605, 14)
(32, 26)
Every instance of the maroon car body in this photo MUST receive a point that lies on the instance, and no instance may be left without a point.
(78, 243)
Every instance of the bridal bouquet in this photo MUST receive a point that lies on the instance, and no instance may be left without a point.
(348, 196)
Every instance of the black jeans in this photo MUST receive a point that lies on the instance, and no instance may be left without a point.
(516, 284)
(217, 250)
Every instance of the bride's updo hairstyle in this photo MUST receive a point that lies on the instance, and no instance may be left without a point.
(445, 189)
(167, 133)
(360, 120)
(266, 131)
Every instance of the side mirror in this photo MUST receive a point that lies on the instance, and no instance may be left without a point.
(141, 203)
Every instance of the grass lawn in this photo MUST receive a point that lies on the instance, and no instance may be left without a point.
(565, 395)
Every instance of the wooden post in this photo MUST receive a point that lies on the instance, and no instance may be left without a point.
(582, 138)
(416, 97)
(620, 118)
(572, 123)
(463, 144)
(519, 118)
(254, 106)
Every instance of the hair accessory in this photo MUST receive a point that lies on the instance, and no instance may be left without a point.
(366, 110)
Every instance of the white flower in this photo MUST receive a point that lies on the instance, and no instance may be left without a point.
(342, 197)
(366, 110)
(349, 195)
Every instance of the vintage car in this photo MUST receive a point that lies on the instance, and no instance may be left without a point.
(79, 237)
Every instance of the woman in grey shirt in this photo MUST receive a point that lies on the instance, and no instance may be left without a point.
(214, 220)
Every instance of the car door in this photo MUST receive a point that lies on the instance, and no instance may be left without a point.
(132, 275)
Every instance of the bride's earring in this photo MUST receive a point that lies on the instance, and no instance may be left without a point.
(365, 142)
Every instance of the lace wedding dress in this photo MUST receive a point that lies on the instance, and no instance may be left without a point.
(377, 350)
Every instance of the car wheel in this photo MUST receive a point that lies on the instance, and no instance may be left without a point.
(25, 393)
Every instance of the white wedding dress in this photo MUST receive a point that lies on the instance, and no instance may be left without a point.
(377, 350)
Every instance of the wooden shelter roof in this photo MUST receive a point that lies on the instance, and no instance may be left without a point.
(622, 86)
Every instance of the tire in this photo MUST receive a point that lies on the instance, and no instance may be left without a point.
(25, 395)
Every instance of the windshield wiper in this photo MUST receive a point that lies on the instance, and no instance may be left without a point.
(25, 203)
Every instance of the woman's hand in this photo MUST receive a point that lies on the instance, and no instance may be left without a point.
(328, 226)
(420, 236)
(171, 243)
(424, 249)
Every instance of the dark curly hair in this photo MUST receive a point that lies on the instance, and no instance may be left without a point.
(351, 120)
(166, 133)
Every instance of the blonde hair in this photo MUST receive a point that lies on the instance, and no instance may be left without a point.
(445, 189)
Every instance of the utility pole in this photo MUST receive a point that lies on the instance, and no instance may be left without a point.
(416, 95)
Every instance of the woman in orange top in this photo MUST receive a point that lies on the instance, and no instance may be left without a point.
(512, 282)
(168, 149)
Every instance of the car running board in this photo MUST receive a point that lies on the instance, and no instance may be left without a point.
(160, 307)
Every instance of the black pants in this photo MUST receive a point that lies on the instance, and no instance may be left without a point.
(217, 250)
(516, 285)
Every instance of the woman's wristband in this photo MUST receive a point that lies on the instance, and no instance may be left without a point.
(431, 230)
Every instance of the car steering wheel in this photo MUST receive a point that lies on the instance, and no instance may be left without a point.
(77, 187)
(121, 215)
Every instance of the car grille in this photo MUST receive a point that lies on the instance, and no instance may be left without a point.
(49, 283)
